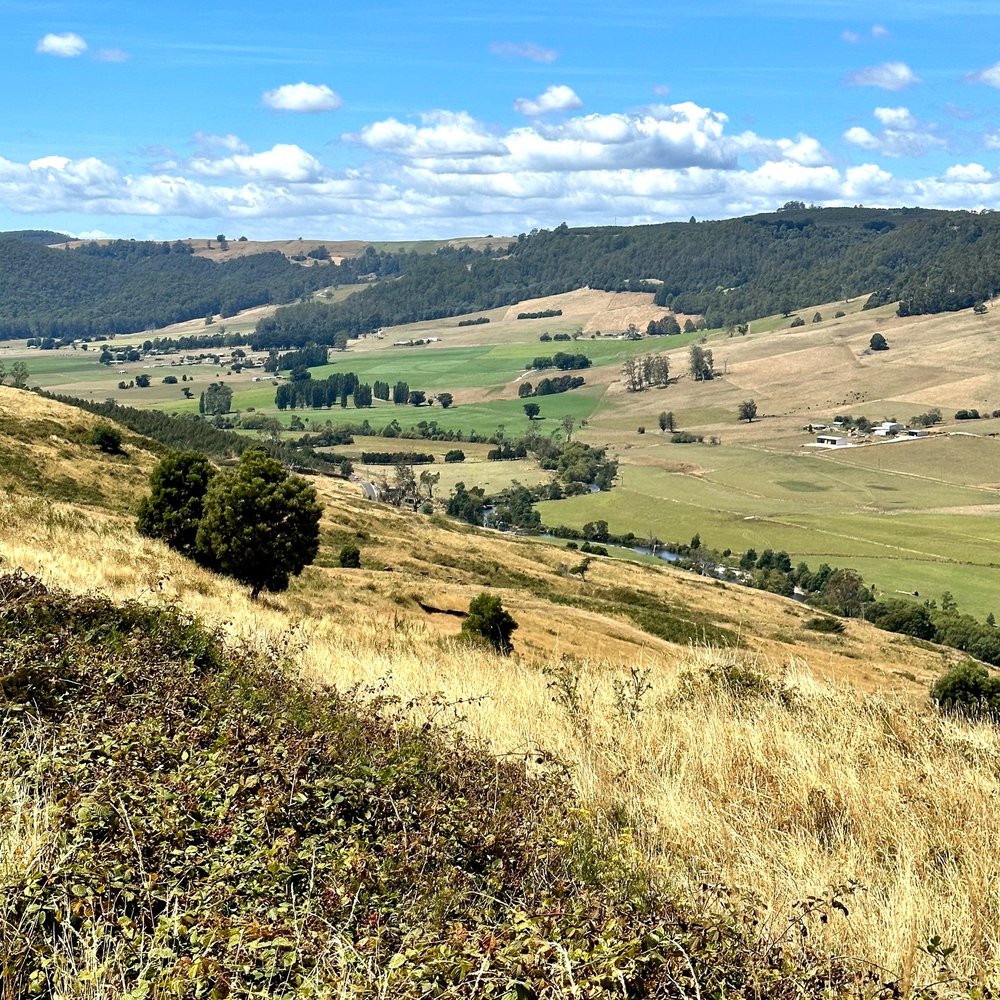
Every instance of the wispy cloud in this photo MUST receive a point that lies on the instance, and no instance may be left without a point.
(990, 76)
(524, 50)
(113, 56)
(302, 97)
(209, 144)
(959, 112)
(886, 76)
(558, 97)
(851, 37)
(67, 45)
(880, 31)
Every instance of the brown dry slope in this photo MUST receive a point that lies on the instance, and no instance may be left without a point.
(719, 763)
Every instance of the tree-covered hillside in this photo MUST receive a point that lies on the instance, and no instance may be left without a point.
(44, 237)
(731, 271)
(127, 286)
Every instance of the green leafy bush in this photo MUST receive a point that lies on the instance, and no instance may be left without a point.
(107, 438)
(221, 831)
(968, 689)
(488, 620)
(350, 556)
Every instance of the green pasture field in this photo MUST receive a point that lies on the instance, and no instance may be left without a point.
(951, 458)
(887, 524)
(439, 368)
(47, 370)
(483, 417)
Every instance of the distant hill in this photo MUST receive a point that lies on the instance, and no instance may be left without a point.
(730, 271)
(43, 236)
(125, 286)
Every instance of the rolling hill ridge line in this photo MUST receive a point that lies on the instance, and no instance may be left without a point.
(728, 271)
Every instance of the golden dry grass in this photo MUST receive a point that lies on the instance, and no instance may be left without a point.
(831, 773)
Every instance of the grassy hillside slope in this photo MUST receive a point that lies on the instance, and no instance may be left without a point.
(796, 769)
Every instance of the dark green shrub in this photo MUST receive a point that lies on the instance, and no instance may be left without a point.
(259, 524)
(173, 509)
(903, 617)
(350, 556)
(107, 438)
(488, 619)
(823, 624)
(968, 689)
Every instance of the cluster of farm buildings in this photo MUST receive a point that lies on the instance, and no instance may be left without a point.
(831, 437)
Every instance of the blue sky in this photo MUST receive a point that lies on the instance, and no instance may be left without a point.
(388, 120)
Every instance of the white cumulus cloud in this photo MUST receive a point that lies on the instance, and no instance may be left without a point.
(886, 76)
(283, 163)
(447, 172)
(898, 118)
(902, 134)
(558, 97)
(302, 97)
(970, 173)
(443, 134)
(67, 45)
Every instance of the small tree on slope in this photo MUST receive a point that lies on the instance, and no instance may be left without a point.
(488, 619)
(260, 525)
(173, 510)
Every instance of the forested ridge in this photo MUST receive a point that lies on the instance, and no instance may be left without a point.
(730, 271)
(127, 286)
